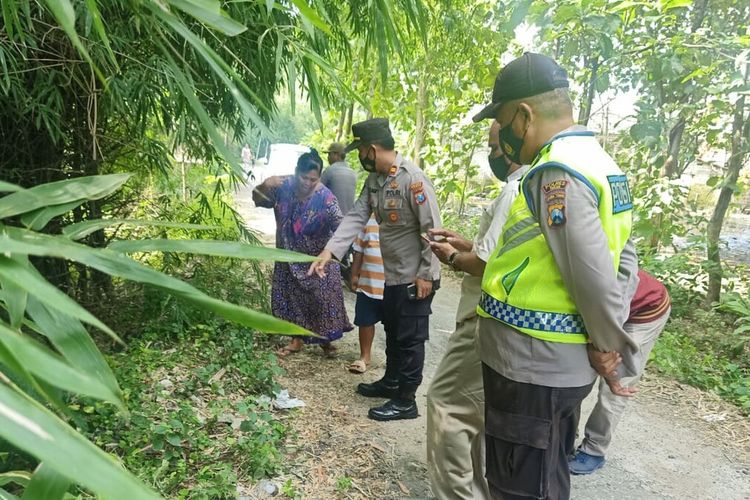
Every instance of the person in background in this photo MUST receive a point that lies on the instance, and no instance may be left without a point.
(455, 399)
(648, 315)
(307, 214)
(342, 181)
(404, 203)
(339, 177)
(368, 280)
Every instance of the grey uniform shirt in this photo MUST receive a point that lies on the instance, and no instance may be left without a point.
(582, 255)
(405, 206)
(342, 181)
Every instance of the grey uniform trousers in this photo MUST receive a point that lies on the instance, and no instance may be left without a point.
(606, 414)
(455, 410)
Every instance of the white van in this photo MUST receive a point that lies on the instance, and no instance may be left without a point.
(282, 160)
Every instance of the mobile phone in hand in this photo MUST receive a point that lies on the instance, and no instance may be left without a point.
(437, 238)
(411, 292)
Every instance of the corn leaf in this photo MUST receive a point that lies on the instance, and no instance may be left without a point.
(82, 229)
(46, 484)
(18, 240)
(232, 249)
(28, 278)
(61, 192)
(42, 363)
(31, 427)
(72, 341)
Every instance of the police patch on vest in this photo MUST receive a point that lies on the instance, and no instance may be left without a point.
(622, 201)
(555, 214)
(558, 185)
(393, 216)
(392, 193)
(393, 184)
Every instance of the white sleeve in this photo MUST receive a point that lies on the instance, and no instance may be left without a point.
(500, 207)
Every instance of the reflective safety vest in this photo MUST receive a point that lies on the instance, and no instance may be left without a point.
(522, 286)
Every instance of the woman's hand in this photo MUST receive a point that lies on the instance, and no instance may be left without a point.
(319, 266)
(274, 181)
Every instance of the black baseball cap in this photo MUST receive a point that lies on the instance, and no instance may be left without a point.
(531, 74)
(369, 131)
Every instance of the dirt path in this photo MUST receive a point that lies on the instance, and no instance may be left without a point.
(673, 441)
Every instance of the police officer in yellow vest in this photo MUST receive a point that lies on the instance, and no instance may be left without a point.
(554, 283)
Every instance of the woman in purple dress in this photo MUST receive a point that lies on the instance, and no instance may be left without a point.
(307, 214)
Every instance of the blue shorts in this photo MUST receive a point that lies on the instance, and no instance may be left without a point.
(367, 311)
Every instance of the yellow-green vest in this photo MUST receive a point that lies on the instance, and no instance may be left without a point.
(522, 286)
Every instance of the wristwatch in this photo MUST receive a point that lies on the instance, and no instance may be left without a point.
(452, 260)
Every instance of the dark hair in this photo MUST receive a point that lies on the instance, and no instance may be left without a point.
(388, 143)
(309, 161)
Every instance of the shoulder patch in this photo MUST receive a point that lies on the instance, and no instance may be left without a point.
(622, 201)
(420, 197)
(417, 186)
(392, 171)
(554, 186)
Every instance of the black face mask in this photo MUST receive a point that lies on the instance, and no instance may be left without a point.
(367, 163)
(499, 166)
(510, 144)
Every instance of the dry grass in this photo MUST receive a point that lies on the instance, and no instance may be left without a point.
(335, 451)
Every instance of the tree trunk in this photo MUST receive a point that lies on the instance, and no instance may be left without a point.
(419, 128)
(740, 129)
(584, 114)
(340, 127)
(672, 163)
(349, 117)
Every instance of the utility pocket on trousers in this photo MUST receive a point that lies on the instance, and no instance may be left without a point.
(517, 454)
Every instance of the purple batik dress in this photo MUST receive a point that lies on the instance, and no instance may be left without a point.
(305, 226)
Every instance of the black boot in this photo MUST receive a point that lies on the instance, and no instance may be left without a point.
(402, 407)
(383, 388)
(395, 409)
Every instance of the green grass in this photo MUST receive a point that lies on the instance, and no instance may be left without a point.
(178, 436)
(698, 348)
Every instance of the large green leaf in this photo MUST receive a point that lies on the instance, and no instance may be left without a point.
(7, 187)
(15, 302)
(72, 340)
(18, 240)
(60, 192)
(28, 278)
(19, 477)
(82, 229)
(42, 363)
(37, 219)
(210, 13)
(233, 249)
(31, 427)
(46, 484)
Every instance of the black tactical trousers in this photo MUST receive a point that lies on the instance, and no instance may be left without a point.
(530, 431)
(407, 327)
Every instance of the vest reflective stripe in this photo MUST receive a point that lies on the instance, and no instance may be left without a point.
(522, 286)
(540, 321)
(528, 235)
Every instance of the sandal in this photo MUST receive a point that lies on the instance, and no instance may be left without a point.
(358, 366)
(286, 351)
